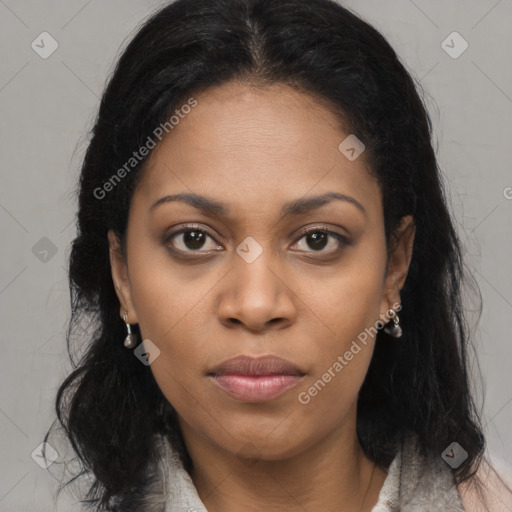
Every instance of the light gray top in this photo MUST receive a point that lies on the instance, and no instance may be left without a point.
(413, 484)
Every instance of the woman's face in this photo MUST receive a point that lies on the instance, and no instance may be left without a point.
(246, 280)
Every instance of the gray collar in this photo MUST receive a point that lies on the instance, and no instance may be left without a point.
(418, 484)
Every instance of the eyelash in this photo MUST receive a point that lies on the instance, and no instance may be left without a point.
(343, 240)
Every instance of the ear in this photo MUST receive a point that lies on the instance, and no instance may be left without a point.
(398, 263)
(120, 277)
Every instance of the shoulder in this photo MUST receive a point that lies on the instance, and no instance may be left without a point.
(488, 490)
(418, 482)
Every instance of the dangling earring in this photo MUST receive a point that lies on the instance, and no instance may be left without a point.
(394, 329)
(130, 340)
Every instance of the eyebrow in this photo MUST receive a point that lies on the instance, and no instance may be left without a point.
(300, 206)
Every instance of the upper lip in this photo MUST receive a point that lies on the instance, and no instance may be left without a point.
(254, 366)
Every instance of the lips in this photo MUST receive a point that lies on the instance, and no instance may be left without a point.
(253, 379)
(256, 366)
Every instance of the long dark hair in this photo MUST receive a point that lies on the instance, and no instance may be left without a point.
(110, 406)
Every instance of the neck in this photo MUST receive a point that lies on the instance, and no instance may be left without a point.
(333, 471)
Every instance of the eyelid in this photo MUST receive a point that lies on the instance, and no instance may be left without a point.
(320, 227)
(187, 227)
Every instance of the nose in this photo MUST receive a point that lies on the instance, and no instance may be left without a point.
(256, 296)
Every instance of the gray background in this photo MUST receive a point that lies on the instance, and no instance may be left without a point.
(48, 105)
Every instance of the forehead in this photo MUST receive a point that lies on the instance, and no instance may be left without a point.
(256, 144)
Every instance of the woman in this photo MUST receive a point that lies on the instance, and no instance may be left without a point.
(274, 280)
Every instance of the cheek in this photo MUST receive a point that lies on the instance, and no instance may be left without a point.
(330, 391)
(349, 304)
(169, 314)
(167, 296)
(179, 368)
(349, 301)
(172, 305)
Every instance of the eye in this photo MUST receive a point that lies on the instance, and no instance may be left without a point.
(317, 239)
(192, 239)
(195, 239)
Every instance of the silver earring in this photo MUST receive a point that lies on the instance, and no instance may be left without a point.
(394, 329)
(129, 341)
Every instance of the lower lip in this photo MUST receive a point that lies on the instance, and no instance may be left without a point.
(256, 388)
